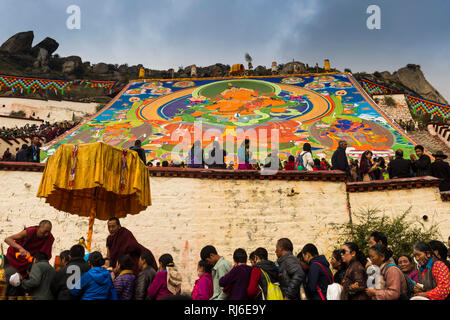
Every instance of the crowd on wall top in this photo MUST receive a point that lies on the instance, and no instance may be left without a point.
(367, 168)
(36, 133)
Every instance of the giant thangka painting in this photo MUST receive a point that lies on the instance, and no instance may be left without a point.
(168, 116)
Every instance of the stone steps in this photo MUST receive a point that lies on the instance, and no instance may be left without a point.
(430, 143)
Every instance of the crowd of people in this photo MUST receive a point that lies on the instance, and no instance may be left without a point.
(45, 132)
(130, 272)
(367, 168)
(407, 125)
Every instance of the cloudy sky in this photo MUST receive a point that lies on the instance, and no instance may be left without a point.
(162, 34)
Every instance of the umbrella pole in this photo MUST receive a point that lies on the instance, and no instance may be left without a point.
(91, 229)
(91, 222)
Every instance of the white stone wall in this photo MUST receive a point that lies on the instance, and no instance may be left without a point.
(189, 213)
(423, 201)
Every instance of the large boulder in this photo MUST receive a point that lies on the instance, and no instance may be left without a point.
(261, 71)
(123, 68)
(100, 68)
(412, 77)
(48, 44)
(288, 68)
(19, 43)
(71, 64)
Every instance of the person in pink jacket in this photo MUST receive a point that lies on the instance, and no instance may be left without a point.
(203, 288)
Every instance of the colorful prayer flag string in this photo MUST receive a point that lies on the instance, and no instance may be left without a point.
(27, 83)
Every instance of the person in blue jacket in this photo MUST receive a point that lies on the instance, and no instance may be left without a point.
(319, 273)
(96, 284)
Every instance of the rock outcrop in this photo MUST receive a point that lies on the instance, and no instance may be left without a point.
(412, 77)
(17, 56)
(19, 43)
(409, 79)
(48, 44)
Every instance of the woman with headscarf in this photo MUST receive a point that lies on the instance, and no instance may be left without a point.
(305, 159)
(167, 281)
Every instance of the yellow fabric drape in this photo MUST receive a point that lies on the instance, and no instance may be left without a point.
(97, 182)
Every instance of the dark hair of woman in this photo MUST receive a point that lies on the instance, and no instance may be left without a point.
(205, 265)
(337, 255)
(359, 254)
(423, 247)
(125, 262)
(406, 256)
(307, 147)
(166, 260)
(381, 249)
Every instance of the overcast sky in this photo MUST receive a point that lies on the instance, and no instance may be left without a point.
(162, 34)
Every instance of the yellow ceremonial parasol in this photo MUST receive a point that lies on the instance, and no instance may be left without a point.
(95, 180)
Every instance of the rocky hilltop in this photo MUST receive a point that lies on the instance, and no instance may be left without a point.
(19, 57)
(407, 79)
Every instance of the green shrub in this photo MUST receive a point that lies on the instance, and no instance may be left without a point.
(99, 107)
(401, 234)
(20, 114)
(389, 101)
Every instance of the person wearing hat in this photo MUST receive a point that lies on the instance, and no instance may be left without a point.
(441, 169)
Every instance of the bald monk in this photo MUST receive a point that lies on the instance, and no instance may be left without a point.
(28, 242)
(122, 242)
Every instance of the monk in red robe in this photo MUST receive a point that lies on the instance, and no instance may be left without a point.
(122, 242)
(27, 243)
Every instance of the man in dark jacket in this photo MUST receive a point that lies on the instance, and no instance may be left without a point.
(441, 169)
(145, 277)
(217, 157)
(139, 150)
(75, 266)
(40, 278)
(291, 272)
(319, 273)
(339, 159)
(33, 153)
(422, 166)
(399, 167)
(21, 156)
(257, 287)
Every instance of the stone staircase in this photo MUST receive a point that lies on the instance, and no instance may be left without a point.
(430, 143)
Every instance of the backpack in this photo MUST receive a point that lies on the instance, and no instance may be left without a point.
(273, 289)
(409, 283)
(301, 166)
(330, 279)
